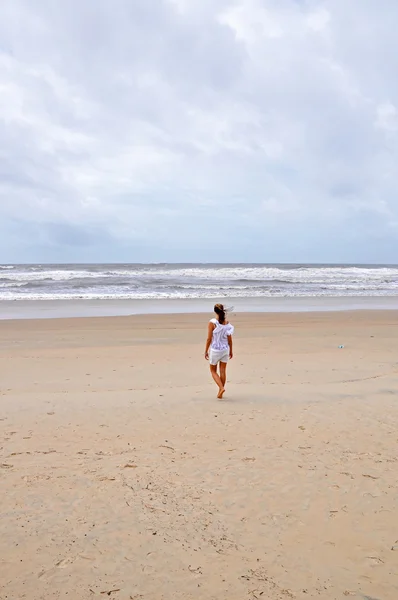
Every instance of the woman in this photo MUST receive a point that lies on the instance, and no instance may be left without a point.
(219, 342)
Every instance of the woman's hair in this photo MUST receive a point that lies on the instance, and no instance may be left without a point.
(220, 312)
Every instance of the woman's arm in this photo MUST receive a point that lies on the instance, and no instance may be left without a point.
(210, 330)
(231, 353)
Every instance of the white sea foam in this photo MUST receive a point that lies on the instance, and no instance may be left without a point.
(92, 282)
(313, 274)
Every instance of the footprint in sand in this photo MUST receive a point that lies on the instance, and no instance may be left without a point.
(61, 564)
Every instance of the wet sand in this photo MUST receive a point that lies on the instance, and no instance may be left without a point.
(123, 476)
(58, 309)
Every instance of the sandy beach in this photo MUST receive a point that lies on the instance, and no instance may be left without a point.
(123, 476)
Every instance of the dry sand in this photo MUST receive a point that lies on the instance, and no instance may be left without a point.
(122, 476)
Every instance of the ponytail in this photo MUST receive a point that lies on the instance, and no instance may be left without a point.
(220, 311)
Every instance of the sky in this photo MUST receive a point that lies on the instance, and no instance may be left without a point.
(198, 130)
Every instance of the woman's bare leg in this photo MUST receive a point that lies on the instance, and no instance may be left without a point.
(223, 373)
(217, 379)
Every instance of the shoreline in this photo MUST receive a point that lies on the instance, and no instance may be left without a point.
(57, 309)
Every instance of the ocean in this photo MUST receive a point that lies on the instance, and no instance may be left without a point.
(194, 281)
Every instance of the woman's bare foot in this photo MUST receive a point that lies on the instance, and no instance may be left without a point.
(221, 393)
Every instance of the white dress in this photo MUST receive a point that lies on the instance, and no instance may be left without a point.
(219, 348)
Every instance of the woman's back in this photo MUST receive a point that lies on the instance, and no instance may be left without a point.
(220, 334)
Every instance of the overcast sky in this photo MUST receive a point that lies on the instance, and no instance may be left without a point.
(199, 130)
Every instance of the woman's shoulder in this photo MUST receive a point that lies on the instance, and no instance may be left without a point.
(214, 321)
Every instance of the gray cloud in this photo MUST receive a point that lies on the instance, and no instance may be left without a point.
(198, 130)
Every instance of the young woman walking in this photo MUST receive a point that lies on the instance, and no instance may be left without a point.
(219, 347)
